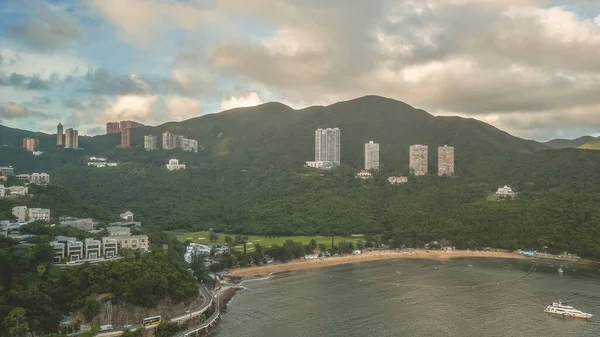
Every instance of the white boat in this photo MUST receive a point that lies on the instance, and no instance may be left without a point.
(560, 271)
(565, 310)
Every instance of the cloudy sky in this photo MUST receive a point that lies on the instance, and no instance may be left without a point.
(530, 67)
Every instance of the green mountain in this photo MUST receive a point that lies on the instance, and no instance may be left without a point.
(591, 145)
(249, 178)
(275, 135)
(569, 143)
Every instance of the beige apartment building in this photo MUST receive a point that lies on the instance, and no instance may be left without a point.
(418, 160)
(133, 242)
(445, 160)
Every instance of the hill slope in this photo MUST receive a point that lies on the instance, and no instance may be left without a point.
(591, 145)
(569, 143)
(275, 135)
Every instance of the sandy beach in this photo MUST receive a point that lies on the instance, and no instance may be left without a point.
(368, 256)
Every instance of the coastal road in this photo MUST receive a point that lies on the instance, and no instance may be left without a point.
(207, 300)
(204, 325)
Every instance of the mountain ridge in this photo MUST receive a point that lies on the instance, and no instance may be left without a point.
(274, 134)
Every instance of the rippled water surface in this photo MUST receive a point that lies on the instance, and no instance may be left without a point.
(468, 297)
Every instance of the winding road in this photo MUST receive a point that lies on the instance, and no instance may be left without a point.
(206, 303)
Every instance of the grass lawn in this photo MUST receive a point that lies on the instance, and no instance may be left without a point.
(202, 237)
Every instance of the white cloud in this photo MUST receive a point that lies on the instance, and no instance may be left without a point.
(182, 108)
(142, 21)
(249, 99)
(133, 107)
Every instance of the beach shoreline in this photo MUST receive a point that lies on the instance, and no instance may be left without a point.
(378, 255)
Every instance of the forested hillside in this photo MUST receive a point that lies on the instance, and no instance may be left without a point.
(569, 143)
(249, 178)
(557, 204)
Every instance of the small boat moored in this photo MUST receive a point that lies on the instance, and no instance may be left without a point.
(565, 310)
(560, 270)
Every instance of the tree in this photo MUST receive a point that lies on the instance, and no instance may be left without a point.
(129, 333)
(16, 321)
(322, 247)
(91, 333)
(312, 244)
(91, 308)
(167, 329)
(244, 241)
(360, 245)
(228, 240)
(199, 268)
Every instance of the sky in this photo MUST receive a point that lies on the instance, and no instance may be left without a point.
(529, 67)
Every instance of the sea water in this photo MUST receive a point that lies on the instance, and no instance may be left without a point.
(465, 297)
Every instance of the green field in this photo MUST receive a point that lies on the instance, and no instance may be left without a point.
(202, 237)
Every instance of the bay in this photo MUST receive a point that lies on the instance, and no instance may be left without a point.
(465, 297)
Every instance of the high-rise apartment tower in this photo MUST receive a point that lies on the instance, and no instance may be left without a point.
(445, 160)
(31, 144)
(418, 160)
(327, 146)
(371, 156)
(59, 135)
(113, 127)
(150, 143)
(69, 138)
(125, 138)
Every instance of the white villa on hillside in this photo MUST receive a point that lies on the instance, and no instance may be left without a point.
(505, 192)
(174, 165)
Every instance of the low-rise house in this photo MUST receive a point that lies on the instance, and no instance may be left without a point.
(118, 231)
(20, 212)
(101, 164)
(59, 251)
(77, 223)
(109, 247)
(24, 178)
(17, 191)
(194, 249)
(129, 224)
(505, 192)
(75, 250)
(40, 179)
(133, 242)
(174, 165)
(93, 249)
(6, 171)
(36, 214)
(395, 180)
(128, 215)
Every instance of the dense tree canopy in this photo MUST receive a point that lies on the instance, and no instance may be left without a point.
(34, 294)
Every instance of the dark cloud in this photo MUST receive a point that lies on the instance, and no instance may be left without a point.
(12, 110)
(72, 103)
(102, 82)
(47, 29)
(27, 82)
